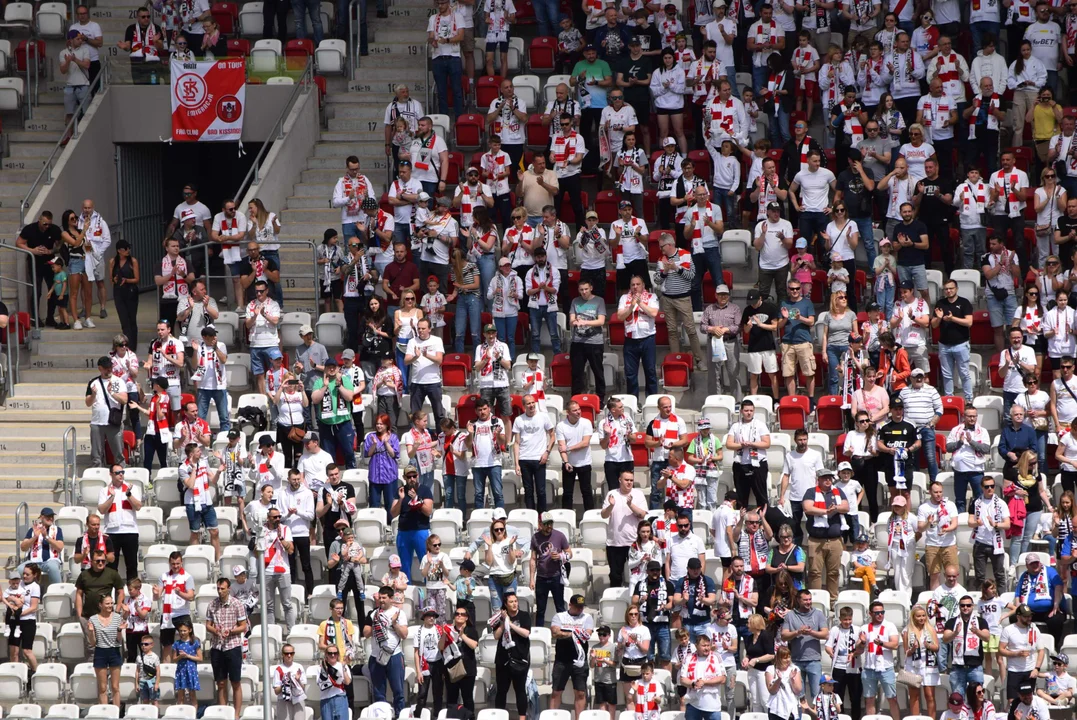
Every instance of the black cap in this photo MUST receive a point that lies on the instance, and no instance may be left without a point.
(753, 295)
(897, 403)
(209, 331)
(694, 564)
(331, 360)
(873, 306)
(908, 285)
(233, 434)
(467, 565)
(1026, 687)
(655, 565)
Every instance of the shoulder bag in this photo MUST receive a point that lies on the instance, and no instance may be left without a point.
(1039, 424)
(115, 414)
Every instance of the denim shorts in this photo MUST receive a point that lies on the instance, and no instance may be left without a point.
(872, 679)
(77, 266)
(916, 273)
(206, 516)
(1000, 312)
(261, 359)
(499, 46)
(107, 658)
(235, 268)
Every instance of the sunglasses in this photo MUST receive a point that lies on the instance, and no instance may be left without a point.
(862, 421)
(839, 210)
(1033, 294)
(119, 472)
(435, 544)
(501, 529)
(964, 605)
(461, 614)
(1049, 175)
(146, 644)
(988, 487)
(683, 527)
(287, 654)
(751, 522)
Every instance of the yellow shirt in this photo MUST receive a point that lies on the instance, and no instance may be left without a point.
(1044, 123)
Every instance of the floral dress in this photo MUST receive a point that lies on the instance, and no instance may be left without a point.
(187, 670)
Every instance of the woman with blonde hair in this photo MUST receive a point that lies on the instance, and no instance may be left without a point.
(784, 684)
(633, 647)
(264, 226)
(1031, 487)
(1064, 527)
(921, 645)
(758, 656)
(839, 324)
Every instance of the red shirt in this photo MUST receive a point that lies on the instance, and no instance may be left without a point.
(400, 276)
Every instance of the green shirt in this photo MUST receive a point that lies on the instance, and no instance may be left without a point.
(597, 70)
(701, 448)
(333, 409)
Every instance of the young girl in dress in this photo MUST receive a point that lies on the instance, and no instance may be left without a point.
(187, 651)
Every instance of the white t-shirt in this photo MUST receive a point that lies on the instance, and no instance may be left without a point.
(235, 227)
(571, 434)
(510, 127)
(802, 469)
(180, 581)
(102, 402)
(1018, 638)
(425, 371)
(707, 699)
(983, 534)
(92, 31)
(119, 520)
(839, 239)
(915, 158)
(753, 431)
(773, 256)
(1045, 38)
(852, 489)
(875, 656)
(402, 213)
(681, 550)
(201, 212)
(724, 517)
(1013, 381)
(485, 452)
(621, 531)
(618, 431)
(1050, 213)
(814, 189)
(942, 514)
(532, 431)
(425, 155)
(444, 27)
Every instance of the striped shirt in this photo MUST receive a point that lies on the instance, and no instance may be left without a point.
(921, 405)
(678, 282)
(107, 635)
(471, 272)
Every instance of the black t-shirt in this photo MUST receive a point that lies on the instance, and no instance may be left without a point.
(653, 597)
(639, 69)
(334, 514)
(833, 527)
(1065, 250)
(522, 649)
(950, 333)
(649, 39)
(759, 340)
(109, 545)
(35, 237)
(412, 517)
(854, 194)
(909, 256)
(971, 661)
(932, 207)
(895, 435)
(245, 268)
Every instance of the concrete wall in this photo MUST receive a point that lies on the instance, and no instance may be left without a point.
(283, 163)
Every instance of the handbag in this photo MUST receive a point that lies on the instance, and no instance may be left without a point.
(115, 414)
(296, 433)
(457, 671)
(631, 668)
(909, 679)
(1038, 423)
(518, 665)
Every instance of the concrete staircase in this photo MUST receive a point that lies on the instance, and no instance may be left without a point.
(356, 113)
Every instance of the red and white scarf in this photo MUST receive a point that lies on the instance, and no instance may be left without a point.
(946, 67)
(276, 561)
(647, 700)
(355, 190)
(208, 356)
(704, 79)
(898, 531)
(966, 641)
(125, 503)
(632, 327)
(763, 37)
(830, 97)
(774, 83)
(684, 497)
(99, 543)
(517, 236)
(802, 57)
(229, 230)
(561, 148)
(541, 276)
(723, 113)
(700, 218)
(876, 639)
(936, 112)
(169, 588)
(1010, 188)
(666, 430)
(200, 488)
(695, 669)
(173, 288)
(142, 44)
(851, 124)
(535, 384)
(804, 150)
(768, 192)
(974, 194)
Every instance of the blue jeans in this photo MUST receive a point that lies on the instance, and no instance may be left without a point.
(962, 481)
(710, 260)
(50, 569)
(408, 542)
(885, 298)
(487, 267)
(455, 494)
(948, 355)
(961, 676)
(811, 672)
(349, 231)
(262, 359)
(867, 239)
(693, 713)
(383, 495)
(393, 671)
(727, 200)
(1041, 447)
(302, 8)
(833, 362)
(660, 641)
(811, 223)
(538, 313)
(759, 78)
(342, 436)
(506, 332)
(927, 445)
(547, 12)
(779, 124)
(1020, 544)
(400, 364)
(497, 592)
(220, 399)
(637, 350)
(979, 29)
(446, 70)
(655, 502)
(480, 476)
(731, 73)
(336, 707)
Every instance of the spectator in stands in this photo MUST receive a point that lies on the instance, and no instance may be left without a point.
(94, 584)
(275, 544)
(424, 354)
(1002, 274)
(228, 228)
(173, 277)
(348, 195)
(574, 446)
(615, 430)
(211, 378)
(95, 235)
(406, 107)
(191, 429)
(262, 317)
(721, 322)
(44, 545)
(296, 504)
(990, 518)
(1015, 363)
(550, 552)
(586, 318)
(923, 410)
(414, 505)
(747, 437)
(802, 468)
(826, 505)
(226, 623)
(291, 403)
(803, 628)
(531, 450)
(694, 591)
(336, 501)
(880, 638)
(797, 319)
(388, 631)
(445, 33)
(197, 479)
(969, 445)
(400, 276)
(964, 637)
(513, 658)
(106, 396)
(937, 519)
(258, 267)
(332, 394)
(1040, 589)
(1020, 642)
(118, 503)
(22, 608)
(953, 317)
(289, 683)
(382, 448)
(254, 513)
(104, 633)
(654, 595)
(190, 235)
(42, 239)
(637, 309)
(429, 155)
(488, 442)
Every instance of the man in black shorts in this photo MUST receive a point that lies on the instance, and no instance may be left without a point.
(226, 623)
(571, 630)
(899, 445)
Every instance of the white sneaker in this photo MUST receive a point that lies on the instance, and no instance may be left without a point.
(77, 325)
(89, 323)
(241, 310)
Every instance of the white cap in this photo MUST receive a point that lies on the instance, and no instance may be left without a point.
(669, 141)
(845, 465)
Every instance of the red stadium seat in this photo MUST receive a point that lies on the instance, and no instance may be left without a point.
(940, 448)
(1023, 155)
(26, 51)
(568, 215)
(650, 206)
(573, 284)
(677, 371)
(542, 54)
(661, 330)
(982, 332)
(238, 47)
(829, 415)
(839, 449)
(617, 327)
(640, 453)
(702, 160)
(654, 252)
(793, 412)
(611, 293)
(465, 409)
(538, 135)
(517, 406)
(320, 83)
(953, 412)
(525, 13)
(992, 365)
(301, 47)
(775, 154)
(487, 88)
(456, 168)
(456, 370)
(606, 206)
(590, 406)
(469, 131)
(188, 398)
(561, 372)
(227, 16)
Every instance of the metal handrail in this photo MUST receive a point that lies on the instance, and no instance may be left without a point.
(45, 176)
(20, 528)
(70, 464)
(315, 275)
(353, 38)
(254, 174)
(12, 346)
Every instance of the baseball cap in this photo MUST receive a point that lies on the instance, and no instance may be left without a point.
(718, 3)
(444, 201)
(590, 47)
(13, 574)
(722, 289)
(306, 330)
(578, 600)
(311, 436)
(897, 403)
(824, 472)
(348, 354)
(424, 197)
(1033, 558)
(1023, 609)
(863, 536)
(430, 612)
(635, 40)
(411, 470)
(774, 205)
(500, 514)
(394, 561)
(604, 630)
(655, 565)
(346, 531)
(1061, 658)
(898, 501)
(1025, 687)
(233, 434)
(209, 331)
(590, 214)
(918, 372)
(490, 327)
(826, 680)
(331, 360)
(694, 564)
(855, 339)
(369, 204)
(907, 285)
(753, 295)
(547, 517)
(844, 465)
(801, 243)
(956, 699)
(703, 423)
(624, 204)
(669, 141)
(266, 440)
(472, 170)
(505, 261)
(71, 35)
(186, 214)
(534, 356)
(238, 570)
(873, 306)
(669, 7)
(884, 241)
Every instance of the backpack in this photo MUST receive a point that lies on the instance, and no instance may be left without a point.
(253, 416)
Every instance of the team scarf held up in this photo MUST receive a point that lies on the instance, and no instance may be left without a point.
(743, 587)
(974, 197)
(826, 706)
(1010, 186)
(200, 488)
(966, 641)
(647, 700)
(169, 595)
(705, 72)
(92, 545)
(173, 287)
(355, 190)
(851, 122)
(753, 549)
(819, 502)
(208, 356)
